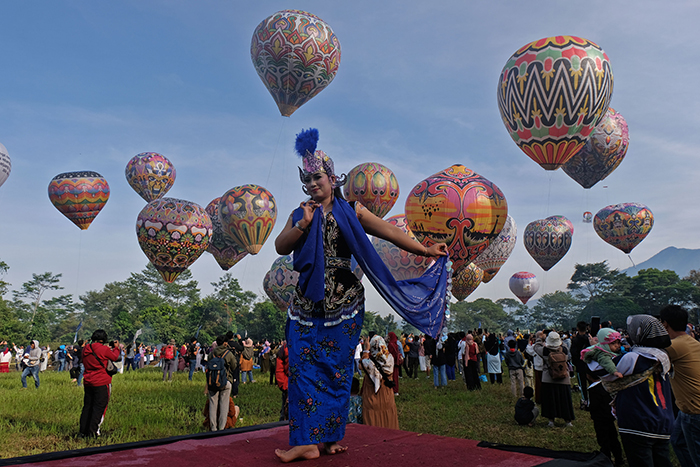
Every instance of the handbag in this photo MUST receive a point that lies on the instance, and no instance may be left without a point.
(111, 368)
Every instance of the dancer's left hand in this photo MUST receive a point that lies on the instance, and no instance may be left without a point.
(438, 249)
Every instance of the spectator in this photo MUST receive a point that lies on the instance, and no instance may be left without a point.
(98, 383)
(167, 359)
(394, 348)
(5, 357)
(282, 377)
(604, 422)
(247, 362)
(60, 357)
(219, 400)
(378, 404)
(192, 356)
(579, 342)
(526, 412)
(684, 353)
(31, 362)
(493, 357)
(515, 362)
(412, 355)
(471, 364)
(556, 385)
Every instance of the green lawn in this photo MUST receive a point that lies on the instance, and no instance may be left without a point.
(143, 407)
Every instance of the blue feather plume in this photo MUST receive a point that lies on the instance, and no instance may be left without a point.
(306, 141)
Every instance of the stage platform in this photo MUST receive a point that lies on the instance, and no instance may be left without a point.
(254, 446)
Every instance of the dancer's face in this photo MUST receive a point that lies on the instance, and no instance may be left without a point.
(319, 186)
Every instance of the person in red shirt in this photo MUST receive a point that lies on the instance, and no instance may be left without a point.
(282, 377)
(97, 383)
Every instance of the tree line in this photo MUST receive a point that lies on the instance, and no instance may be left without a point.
(164, 311)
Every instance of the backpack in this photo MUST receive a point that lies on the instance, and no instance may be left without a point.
(168, 352)
(556, 361)
(216, 373)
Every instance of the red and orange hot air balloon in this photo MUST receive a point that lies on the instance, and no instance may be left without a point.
(80, 196)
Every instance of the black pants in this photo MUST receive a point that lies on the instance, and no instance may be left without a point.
(236, 380)
(94, 408)
(606, 435)
(413, 367)
(646, 452)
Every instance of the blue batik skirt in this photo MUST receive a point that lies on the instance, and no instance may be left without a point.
(320, 377)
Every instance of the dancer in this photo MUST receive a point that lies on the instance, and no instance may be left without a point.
(326, 313)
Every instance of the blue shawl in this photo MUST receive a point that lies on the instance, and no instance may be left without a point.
(421, 301)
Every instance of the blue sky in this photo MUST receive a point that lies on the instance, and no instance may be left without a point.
(87, 85)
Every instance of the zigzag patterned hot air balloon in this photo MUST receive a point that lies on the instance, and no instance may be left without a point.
(551, 95)
(296, 55)
(248, 214)
(80, 196)
(466, 280)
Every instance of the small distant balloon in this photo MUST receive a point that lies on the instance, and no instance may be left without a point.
(466, 280)
(624, 225)
(248, 214)
(226, 252)
(551, 94)
(524, 285)
(460, 208)
(401, 263)
(5, 164)
(296, 55)
(548, 240)
(150, 174)
(374, 185)
(173, 233)
(80, 196)
(603, 152)
(498, 251)
(587, 217)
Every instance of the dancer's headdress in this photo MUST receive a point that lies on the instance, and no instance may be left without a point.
(314, 161)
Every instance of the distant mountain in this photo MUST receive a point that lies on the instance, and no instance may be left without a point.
(680, 260)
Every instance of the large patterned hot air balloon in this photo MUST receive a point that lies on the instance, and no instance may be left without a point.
(226, 252)
(624, 225)
(548, 240)
(5, 164)
(283, 280)
(466, 280)
(524, 285)
(267, 287)
(150, 174)
(173, 233)
(373, 185)
(551, 94)
(458, 207)
(603, 152)
(248, 214)
(80, 196)
(498, 251)
(296, 55)
(402, 264)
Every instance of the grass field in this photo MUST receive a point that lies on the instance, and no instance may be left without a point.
(143, 407)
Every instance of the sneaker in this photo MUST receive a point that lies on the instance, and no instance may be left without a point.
(569, 424)
(550, 425)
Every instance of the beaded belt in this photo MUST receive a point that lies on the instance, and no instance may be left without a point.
(340, 263)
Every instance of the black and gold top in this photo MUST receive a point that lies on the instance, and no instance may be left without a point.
(343, 290)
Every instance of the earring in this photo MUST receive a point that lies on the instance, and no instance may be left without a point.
(303, 188)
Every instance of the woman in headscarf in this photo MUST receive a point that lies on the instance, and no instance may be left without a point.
(556, 390)
(326, 313)
(394, 351)
(378, 405)
(642, 397)
(471, 364)
(247, 361)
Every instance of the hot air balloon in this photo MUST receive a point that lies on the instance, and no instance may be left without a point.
(296, 55)
(373, 185)
(460, 208)
(402, 264)
(524, 285)
(226, 252)
(623, 225)
(283, 280)
(267, 287)
(603, 152)
(80, 196)
(248, 214)
(173, 233)
(551, 95)
(498, 251)
(150, 174)
(5, 164)
(548, 240)
(466, 280)
(587, 217)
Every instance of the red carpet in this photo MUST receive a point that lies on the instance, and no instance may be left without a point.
(368, 446)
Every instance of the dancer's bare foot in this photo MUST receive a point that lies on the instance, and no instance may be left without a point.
(309, 451)
(334, 448)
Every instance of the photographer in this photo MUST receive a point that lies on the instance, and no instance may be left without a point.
(97, 382)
